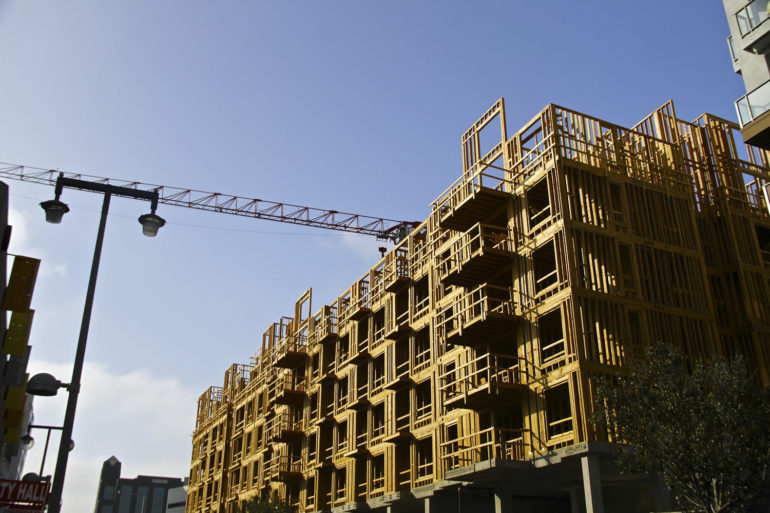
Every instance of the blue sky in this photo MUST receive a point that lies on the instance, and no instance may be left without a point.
(347, 105)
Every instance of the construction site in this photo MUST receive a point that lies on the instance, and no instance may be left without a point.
(459, 372)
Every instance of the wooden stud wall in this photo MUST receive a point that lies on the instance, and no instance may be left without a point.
(559, 255)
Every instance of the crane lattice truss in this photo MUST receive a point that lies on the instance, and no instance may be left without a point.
(382, 228)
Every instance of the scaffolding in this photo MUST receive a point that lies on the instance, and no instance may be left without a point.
(559, 254)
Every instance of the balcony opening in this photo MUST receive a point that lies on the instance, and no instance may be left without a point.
(544, 263)
(361, 428)
(402, 358)
(314, 406)
(362, 335)
(254, 474)
(343, 393)
(403, 409)
(326, 442)
(343, 350)
(558, 411)
(323, 494)
(312, 448)
(403, 467)
(247, 446)
(340, 485)
(552, 347)
(421, 297)
(315, 367)
(424, 471)
(310, 492)
(538, 203)
(327, 357)
(359, 492)
(378, 374)
(422, 350)
(378, 476)
(342, 437)
(423, 404)
(402, 307)
(378, 423)
(451, 447)
(327, 399)
(362, 380)
(259, 442)
(449, 385)
(378, 328)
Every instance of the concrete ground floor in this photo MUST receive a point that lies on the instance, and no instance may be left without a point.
(576, 479)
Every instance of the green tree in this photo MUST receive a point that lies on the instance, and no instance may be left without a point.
(263, 505)
(707, 431)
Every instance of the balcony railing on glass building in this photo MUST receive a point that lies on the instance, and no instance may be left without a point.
(752, 15)
(753, 104)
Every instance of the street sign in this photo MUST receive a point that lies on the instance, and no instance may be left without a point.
(23, 496)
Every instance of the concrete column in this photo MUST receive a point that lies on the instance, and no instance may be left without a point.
(503, 501)
(428, 504)
(592, 484)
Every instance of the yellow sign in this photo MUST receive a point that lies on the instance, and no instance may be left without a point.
(18, 294)
(17, 336)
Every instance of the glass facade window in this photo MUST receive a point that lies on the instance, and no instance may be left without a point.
(731, 46)
(124, 504)
(751, 16)
(158, 500)
(109, 492)
(754, 104)
(142, 498)
(107, 508)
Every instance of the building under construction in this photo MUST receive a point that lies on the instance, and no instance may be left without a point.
(460, 370)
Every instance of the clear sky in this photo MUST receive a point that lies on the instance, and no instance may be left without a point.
(348, 105)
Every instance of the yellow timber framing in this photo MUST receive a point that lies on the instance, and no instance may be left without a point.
(557, 257)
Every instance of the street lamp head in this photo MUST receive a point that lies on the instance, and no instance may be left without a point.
(151, 223)
(44, 384)
(27, 441)
(32, 477)
(54, 210)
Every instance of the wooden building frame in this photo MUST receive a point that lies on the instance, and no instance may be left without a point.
(557, 257)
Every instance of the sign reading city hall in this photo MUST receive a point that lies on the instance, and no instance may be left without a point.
(23, 496)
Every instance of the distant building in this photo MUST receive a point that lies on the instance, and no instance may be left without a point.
(144, 494)
(749, 43)
(177, 498)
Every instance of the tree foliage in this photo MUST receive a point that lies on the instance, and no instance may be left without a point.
(707, 431)
(263, 505)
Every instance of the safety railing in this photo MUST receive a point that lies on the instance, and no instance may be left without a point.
(423, 415)
(474, 306)
(488, 370)
(376, 285)
(377, 488)
(289, 465)
(474, 243)
(296, 343)
(468, 185)
(397, 266)
(322, 325)
(491, 443)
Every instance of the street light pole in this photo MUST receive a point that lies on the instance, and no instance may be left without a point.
(150, 223)
(54, 500)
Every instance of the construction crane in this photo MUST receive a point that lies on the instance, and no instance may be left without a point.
(382, 228)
